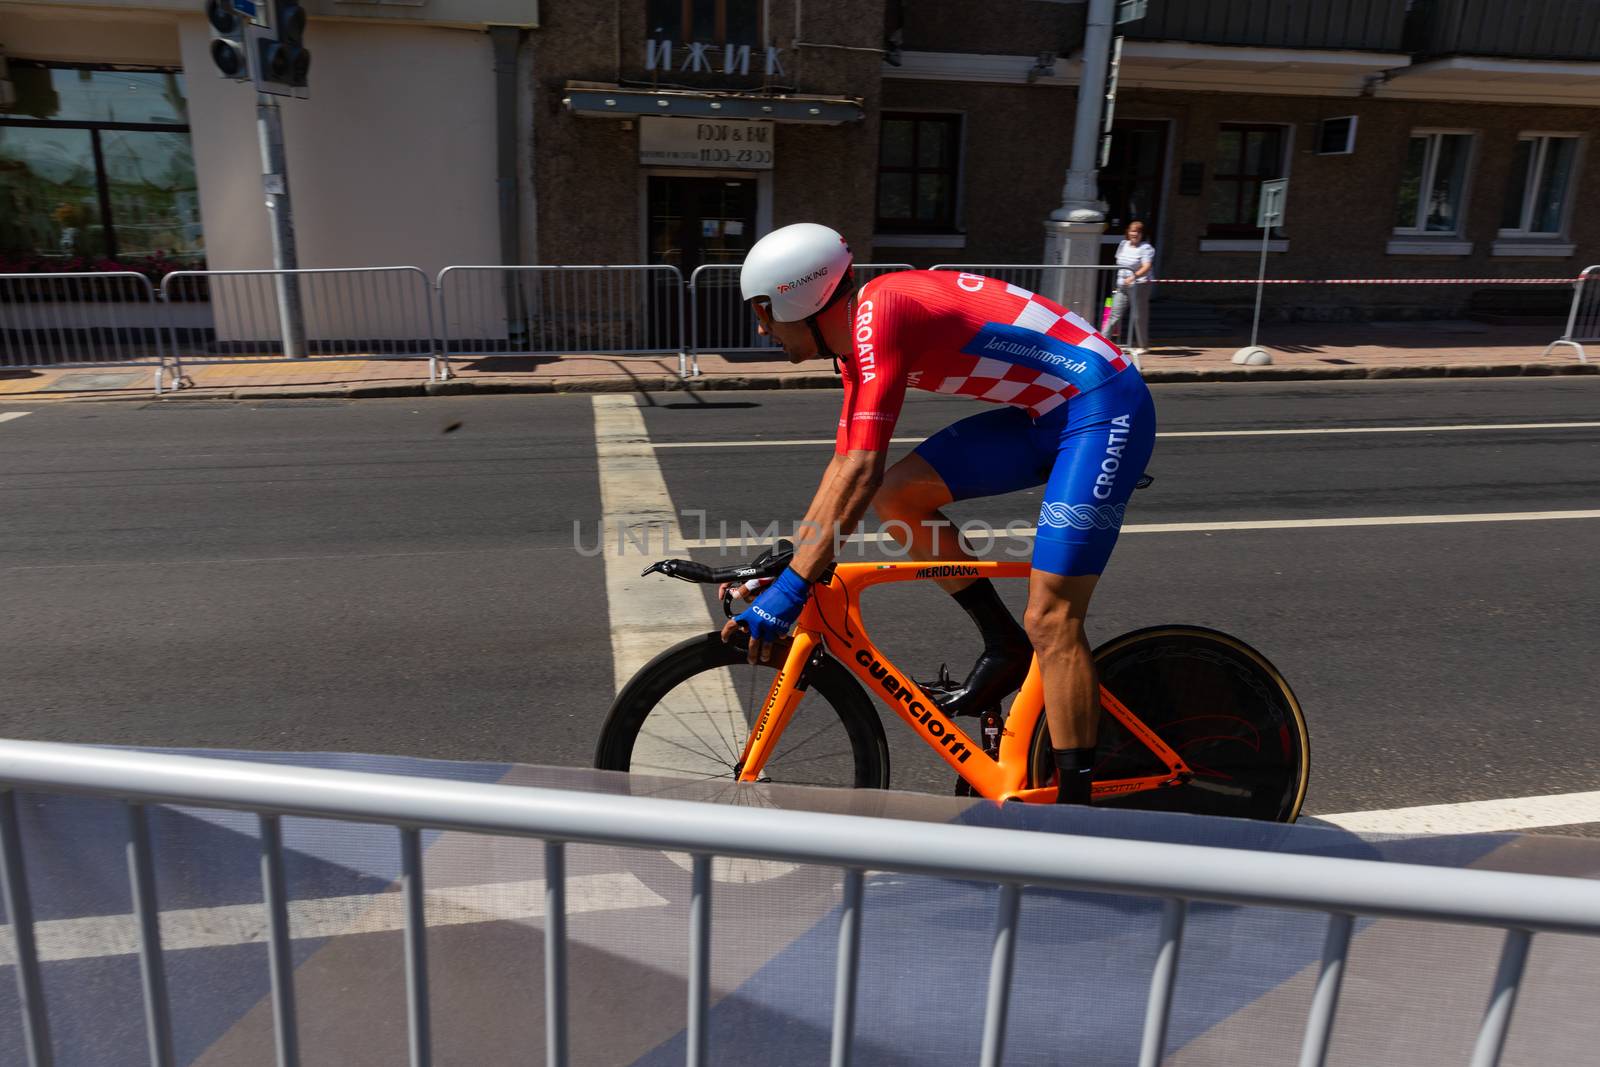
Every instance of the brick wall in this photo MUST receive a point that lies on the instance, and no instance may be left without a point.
(1016, 141)
(587, 176)
(1340, 215)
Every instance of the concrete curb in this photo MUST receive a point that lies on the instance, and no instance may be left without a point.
(652, 383)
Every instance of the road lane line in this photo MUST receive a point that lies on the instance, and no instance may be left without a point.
(95, 936)
(732, 541)
(1285, 432)
(9, 415)
(1474, 817)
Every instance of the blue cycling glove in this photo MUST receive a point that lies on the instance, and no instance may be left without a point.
(772, 615)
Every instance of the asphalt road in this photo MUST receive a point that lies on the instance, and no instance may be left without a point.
(326, 575)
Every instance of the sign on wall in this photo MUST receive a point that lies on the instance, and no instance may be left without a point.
(665, 142)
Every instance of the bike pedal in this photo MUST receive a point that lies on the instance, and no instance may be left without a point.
(942, 689)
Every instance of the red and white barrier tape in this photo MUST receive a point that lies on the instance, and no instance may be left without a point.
(1367, 281)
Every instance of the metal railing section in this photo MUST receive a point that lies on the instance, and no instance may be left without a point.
(556, 310)
(1583, 318)
(1522, 904)
(1081, 288)
(720, 322)
(80, 320)
(244, 316)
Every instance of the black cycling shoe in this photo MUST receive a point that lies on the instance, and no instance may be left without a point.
(997, 673)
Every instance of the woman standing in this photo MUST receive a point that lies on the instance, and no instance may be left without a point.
(1136, 260)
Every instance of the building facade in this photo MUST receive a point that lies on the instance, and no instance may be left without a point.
(1420, 138)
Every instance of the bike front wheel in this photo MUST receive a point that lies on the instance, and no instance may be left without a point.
(689, 711)
(1215, 701)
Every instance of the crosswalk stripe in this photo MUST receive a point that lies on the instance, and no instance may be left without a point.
(95, 936)
(7, 416)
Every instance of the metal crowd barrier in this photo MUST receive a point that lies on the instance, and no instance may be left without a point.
(80, 320)
(1344, 889)
(720, 322)
(1081, 288)
(1583, 320)
(555, 310)
(246, 316)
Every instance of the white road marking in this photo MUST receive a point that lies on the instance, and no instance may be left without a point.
(9, 415)
(1286, 432)
(699, 728)
(1474, 817)
(1464, 427)
(362, 913)
(650, 613)
(732, 541)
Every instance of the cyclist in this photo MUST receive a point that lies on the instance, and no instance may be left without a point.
(1073, 415)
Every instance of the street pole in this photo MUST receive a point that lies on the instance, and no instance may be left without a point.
(1269, 214)
(1072, 232)
(1261, 281)
(275, 182)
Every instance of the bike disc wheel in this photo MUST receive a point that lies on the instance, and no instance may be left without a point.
(1214, 700)
(688, 712)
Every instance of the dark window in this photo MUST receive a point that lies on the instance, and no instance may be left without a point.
(1541, 178)
(918, 170)
(1433, 184)
(96, 165)
(705, 21)
(1133, 176)
(1246, 157)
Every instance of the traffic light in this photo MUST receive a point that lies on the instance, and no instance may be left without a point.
(283, 60)
(228, 40)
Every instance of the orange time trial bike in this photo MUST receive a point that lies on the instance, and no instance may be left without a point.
(1193, 720)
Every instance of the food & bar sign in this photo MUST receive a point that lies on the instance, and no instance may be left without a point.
(665, 142)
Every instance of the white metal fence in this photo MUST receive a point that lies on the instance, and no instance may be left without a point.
(1583, 319)
(1180, 875)
(243, 316)
(200, 317)
(557, 310)
(80, 320)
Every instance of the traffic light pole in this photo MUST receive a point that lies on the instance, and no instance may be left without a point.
(275, 180)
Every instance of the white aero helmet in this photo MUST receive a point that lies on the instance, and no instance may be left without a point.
(797, 268)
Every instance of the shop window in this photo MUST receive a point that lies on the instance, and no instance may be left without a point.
(918, 171)
(706, 21)
(1247, 155)
(1433, 185)
(1539, 192)
(97, 171)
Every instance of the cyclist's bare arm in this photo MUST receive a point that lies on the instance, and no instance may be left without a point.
(842, 499)
(838, 482)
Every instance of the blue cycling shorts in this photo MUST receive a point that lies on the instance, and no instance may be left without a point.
(1088, 453)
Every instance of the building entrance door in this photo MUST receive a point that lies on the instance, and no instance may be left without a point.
(694, 221)
(1132, 179)
(698, 221)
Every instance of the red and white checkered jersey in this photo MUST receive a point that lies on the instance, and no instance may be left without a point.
(966, 334)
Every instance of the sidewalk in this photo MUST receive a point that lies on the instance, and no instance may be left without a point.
(1299, 351)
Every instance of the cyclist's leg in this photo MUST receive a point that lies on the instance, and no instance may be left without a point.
(995, 451)
(986, 454)
(1105, 442)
